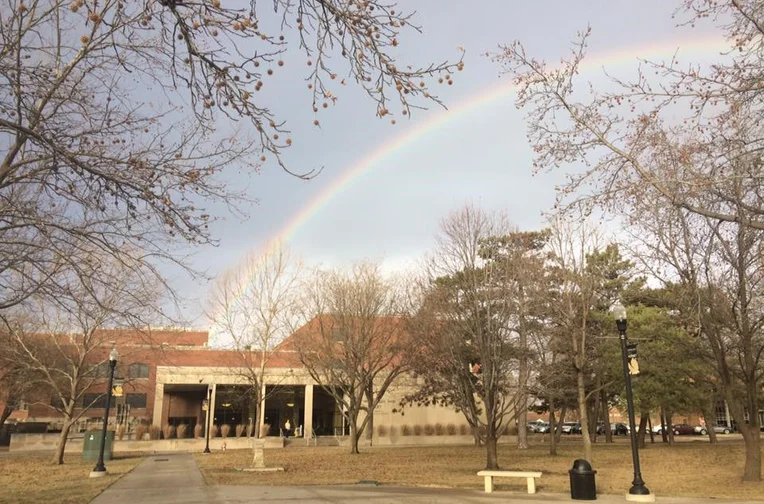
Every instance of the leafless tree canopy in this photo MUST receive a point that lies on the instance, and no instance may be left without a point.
(714, 269)
(355, 343)
(111, 115)
(253, 308)
(630, 139)
(62, 344)
(471, 326)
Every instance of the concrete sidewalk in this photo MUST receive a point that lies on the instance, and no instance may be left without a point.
(160, 479)
(175, 479)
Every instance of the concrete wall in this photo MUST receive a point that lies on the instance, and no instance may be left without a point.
(47, 442)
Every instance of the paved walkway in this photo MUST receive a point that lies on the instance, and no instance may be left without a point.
(175, 479)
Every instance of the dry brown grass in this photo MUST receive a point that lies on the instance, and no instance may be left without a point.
(35, 479)
(687, 469)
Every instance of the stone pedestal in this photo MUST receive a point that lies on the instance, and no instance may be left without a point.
(258, 446)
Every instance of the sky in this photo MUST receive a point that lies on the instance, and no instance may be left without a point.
(474, 152)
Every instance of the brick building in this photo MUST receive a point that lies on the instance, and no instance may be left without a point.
(169, 381)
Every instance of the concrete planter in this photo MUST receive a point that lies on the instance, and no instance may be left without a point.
(47, 442)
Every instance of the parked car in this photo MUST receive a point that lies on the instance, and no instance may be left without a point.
(683, 429)
(722, 429)
(701, 429)
(658, 429)
(538, 426)
(619, 429)
(571, 428)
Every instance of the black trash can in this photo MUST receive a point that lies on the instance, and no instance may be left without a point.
(582, 486)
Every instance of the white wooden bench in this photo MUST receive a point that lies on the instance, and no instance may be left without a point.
(530, 477)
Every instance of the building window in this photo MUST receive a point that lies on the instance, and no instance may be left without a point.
(136, 400)
(95, 401)
(138, 371)
(721, 414)
(101, 370)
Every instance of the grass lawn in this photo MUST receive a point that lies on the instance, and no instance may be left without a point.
(686, 469)
(27, 478)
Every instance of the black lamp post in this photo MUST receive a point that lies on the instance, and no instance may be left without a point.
(100, 469)
(207, 424)
(638, 487)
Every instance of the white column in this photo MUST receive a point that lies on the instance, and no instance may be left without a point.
(307, 428)
(158, 405)
(211, 405)
(262, 413)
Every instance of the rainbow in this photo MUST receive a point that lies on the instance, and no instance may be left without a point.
(435, 122)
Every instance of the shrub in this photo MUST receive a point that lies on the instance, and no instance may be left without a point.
(120, 433)
(451, 429)
(464, 430)
(405, 430)
(225, 430)
(264, 430)
(214, 430)
(417, 430)
(440, 430)
(429, 430)
(154, 432)
(168, 431)
(182, 429)
(140, 431)
(198, 430)
(381, 430)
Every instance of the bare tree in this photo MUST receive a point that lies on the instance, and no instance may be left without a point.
(63, 342)
(255, 306)
(90, 160)
(468, 327)
(630, 138)
(355, 343)
(15, 380)
(714, 269)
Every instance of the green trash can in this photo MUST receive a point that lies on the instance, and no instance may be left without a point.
(92, 446)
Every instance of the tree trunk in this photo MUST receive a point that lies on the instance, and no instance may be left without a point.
(58, 456)
(558, 434)
(522, 430)
(552, 428)
(752, 438)
(370, 413)
(353, 438)
(492, 459)
(582, 411)
(642, 429)
(522, 419)
(650, 429)
(709, 425)
(664, 432)
(670, 427)
(606, 419)
(596, 409)
(7, 410)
